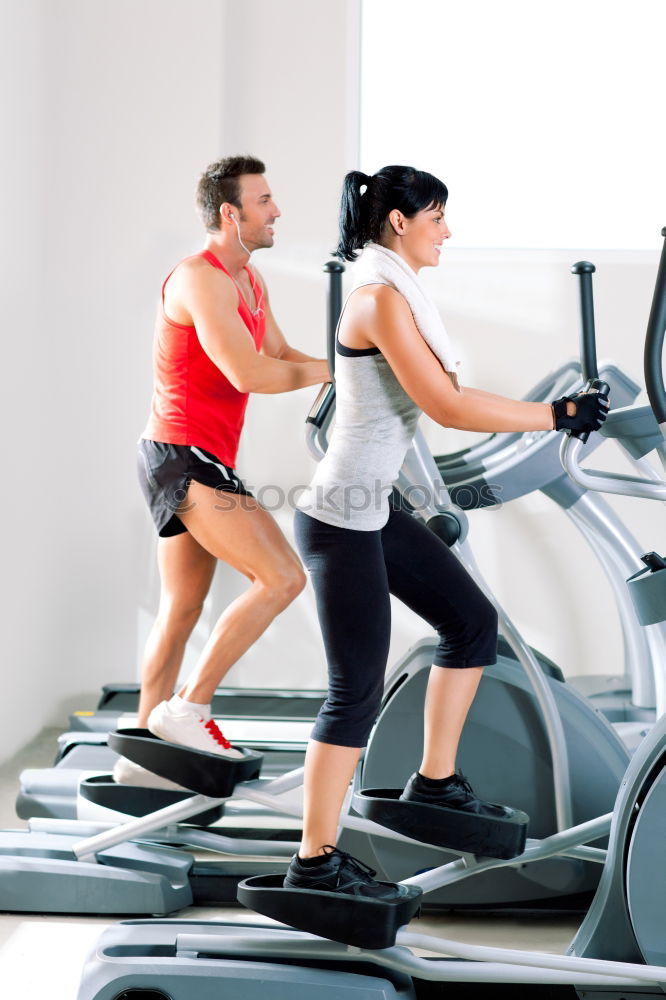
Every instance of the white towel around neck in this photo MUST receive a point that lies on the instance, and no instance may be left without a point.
(379, 265)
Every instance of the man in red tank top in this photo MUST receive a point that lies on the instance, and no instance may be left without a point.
(216, 341)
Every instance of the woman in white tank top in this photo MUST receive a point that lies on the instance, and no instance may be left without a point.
(393, 362)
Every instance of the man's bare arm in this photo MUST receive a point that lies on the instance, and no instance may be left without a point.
(211, 299)
(275, 343)
(291, 354)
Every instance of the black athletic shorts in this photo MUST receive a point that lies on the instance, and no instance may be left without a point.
(166, 471)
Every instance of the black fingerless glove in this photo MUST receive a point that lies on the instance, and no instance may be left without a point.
(591, 411)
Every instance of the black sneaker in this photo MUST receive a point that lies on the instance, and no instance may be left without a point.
(455, 793)
(340, 872)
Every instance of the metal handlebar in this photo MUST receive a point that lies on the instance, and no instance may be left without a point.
(588, 343)
(654, 344)
(335, 269)
(323, 408)
(318, 419)
(607, 482)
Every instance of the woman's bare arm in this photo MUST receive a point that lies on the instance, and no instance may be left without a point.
(383, 318)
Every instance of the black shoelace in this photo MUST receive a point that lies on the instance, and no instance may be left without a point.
(358, 867)
(464, 784)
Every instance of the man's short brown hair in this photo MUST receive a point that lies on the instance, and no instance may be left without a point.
(219, 183)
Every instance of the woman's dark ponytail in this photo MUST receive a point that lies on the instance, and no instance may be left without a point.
(353, 218)
(362, 215)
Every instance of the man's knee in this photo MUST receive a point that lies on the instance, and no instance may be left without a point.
(179, 617)
(293, 582)
(285, 583)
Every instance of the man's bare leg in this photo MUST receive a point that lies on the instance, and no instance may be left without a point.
(186, 572)
(238, 531)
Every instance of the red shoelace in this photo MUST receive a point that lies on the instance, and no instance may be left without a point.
(217, 734)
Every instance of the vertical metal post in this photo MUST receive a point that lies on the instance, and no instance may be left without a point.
(335, 269)
(588, 344)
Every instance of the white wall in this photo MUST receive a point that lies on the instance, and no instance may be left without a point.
(292, 102)
(113, 110)
(513, 313)
(25, 589)
(521, 108)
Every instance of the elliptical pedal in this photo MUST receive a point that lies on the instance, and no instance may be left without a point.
(468, 833)
(360, 921)
(138, 800)
(202, 772)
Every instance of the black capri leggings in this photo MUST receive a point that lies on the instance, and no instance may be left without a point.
(353, 574)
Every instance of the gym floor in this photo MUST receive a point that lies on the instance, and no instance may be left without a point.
(42, 955)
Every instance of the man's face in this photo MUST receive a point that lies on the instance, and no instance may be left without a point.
(258, 212)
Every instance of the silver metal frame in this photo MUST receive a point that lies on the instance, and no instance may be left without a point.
(618, 546)
(478, 963)
(607, 482)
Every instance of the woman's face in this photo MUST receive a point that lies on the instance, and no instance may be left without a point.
(423, 236)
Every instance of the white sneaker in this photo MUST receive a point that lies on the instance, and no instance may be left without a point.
(126, 772)
(189, 729)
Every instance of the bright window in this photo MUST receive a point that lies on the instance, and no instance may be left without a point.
(546, 120)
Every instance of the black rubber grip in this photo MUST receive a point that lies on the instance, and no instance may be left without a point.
(593, 385)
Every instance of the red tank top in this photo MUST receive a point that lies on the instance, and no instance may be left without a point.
(193, 401)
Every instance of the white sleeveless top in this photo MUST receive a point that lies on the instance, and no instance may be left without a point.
(375, 424)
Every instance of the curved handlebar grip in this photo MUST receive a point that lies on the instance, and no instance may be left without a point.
(654, 343)
(322, 405)
(593, 385)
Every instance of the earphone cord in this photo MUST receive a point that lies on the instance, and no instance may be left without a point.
(258, 311)
(239, 236)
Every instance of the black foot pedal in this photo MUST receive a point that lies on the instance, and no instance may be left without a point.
(354, 920)
(486, 836)
(205, 773)
(135, 800)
